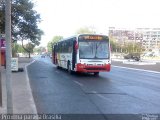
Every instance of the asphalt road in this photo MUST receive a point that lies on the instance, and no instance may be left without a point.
(122, 94)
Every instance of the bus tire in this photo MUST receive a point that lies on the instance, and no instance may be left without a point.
(96, 73)
(58, 67)
(69, 68)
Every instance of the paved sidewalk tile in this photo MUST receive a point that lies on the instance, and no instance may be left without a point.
(23, 102)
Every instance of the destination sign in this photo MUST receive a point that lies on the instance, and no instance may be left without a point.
(91, 37)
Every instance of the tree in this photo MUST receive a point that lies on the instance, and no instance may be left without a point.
(53, 41)
(113, 44)
(20, 49)
(86, 30)
(39, 50)
(30, 46)
(24, 23)
(17, 48)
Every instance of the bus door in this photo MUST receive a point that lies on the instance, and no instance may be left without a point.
(74, 54)
(54, 55)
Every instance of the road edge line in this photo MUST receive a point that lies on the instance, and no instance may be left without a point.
(28, 85)
(137, 69)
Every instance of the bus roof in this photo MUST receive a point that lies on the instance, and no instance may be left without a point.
(80, 35)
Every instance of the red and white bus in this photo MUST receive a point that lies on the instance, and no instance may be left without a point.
(83, 53)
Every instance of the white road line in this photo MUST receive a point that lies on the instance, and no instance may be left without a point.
(95, 92)
(57, 71)
(101, 96)
(78, 83)
(137, 69)
(28, 86)
(31, 63)
(139, 63)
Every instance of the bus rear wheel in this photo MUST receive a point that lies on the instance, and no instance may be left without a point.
(69, 68)
(57, 67)
(96, 73)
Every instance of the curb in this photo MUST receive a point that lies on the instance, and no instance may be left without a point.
(28, 86)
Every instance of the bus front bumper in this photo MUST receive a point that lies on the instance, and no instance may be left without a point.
(93, 68)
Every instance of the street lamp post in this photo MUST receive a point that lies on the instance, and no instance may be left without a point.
(0, 69)
(8, 56)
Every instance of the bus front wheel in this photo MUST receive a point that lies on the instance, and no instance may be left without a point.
(57, 67)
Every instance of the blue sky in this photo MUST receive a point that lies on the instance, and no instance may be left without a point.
(65, 17)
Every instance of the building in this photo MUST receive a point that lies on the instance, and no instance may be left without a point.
(149, 38)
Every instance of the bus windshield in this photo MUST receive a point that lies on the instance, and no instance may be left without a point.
(93, 50)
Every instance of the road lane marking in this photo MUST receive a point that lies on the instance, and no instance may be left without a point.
(30, 63)
(57, 71)
(139, 63)
(95, 92)
(137, 69)
(101, 96)
(105, 98)
(78, 83)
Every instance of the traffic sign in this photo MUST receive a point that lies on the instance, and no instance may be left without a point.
(14, 64)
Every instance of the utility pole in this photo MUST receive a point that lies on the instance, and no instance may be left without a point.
(0, 69)
(0, 74)
(8, 56)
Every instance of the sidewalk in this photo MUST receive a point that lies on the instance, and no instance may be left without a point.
(23, 102)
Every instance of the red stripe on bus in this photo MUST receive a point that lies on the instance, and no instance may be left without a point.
(92, 68)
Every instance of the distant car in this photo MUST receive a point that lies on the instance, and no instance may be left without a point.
(133, 56)
(42, 56)
(50, 55)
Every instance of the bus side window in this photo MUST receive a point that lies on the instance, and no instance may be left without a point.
(57, 48)
(70, 47)
(67, 47)
(60, 48)
(63, 47)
